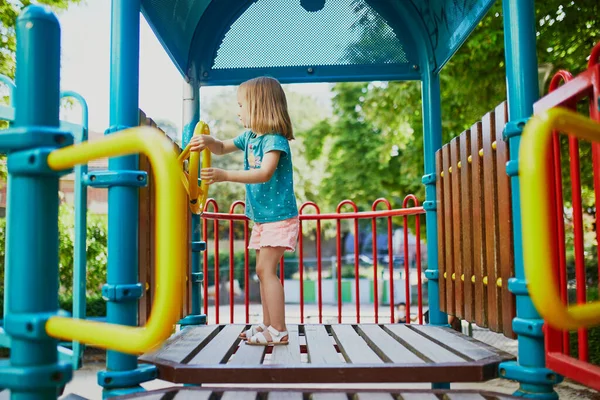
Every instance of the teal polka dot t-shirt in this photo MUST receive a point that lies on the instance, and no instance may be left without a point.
(273, 200)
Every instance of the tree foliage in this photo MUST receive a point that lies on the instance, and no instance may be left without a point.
(373, 146)
(9, 12)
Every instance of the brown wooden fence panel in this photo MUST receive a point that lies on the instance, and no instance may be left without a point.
(439, 167)
(478, 232)
(494, 311)
(505, 227)
(147, 240)
(456, 236)
(144, 244)
(449, 231)
(475, 238)
(467, 225)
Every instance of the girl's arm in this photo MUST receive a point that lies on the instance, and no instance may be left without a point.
(259, 175)
(216, 146)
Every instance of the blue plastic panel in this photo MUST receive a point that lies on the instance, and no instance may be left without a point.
(174, 24)
(449, 23)
(229, 40)
(281, 33)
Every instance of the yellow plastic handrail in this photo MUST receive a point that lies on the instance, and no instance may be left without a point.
(536, 206)
(198, 194)
(171, 252)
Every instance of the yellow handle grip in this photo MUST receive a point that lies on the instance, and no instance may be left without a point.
(536, 206)
(198, 194)
(171, 254)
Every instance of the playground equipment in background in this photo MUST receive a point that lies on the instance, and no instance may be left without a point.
(80, 134)
(206, 49)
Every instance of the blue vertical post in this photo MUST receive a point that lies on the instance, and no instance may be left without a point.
(522, 84)
(432, 141)
(79, 253)
(11, 96)
(122, 289)
(33, 371)
(191, 116)
(123, 200)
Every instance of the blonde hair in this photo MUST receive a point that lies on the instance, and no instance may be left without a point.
(267, 106)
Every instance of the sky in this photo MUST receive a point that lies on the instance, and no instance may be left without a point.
(85, 68)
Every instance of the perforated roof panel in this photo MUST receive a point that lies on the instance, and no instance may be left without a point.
(342, 33)
(228, 41)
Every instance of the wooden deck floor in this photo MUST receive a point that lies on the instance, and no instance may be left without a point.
(363, 353)
(250, 394)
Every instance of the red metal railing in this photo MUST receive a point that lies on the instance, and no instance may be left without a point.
(584, 87)
(231, 217)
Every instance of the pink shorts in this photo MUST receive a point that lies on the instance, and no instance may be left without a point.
(275, 234)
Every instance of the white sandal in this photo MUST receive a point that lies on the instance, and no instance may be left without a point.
(259, 338)
(253, 331)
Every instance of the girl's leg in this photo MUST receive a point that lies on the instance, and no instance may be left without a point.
(265, 319)
(273, 300)
(265, 308)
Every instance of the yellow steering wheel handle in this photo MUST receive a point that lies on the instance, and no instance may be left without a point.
(198, 193)
(536, 206)
(171, 252)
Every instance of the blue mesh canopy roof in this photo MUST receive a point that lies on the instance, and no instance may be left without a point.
(228, 41)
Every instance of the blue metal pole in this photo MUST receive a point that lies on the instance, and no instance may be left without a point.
(191, 116)
(432, 141)
(123, 200)
(32, 221)
(11, 102)
(522, 84)
(122, 289)
(80, 256)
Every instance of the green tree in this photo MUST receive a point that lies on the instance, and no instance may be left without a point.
(9, 12)
(374, 144)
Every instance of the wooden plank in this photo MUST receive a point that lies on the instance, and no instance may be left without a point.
(187, 293)
(239, 395)
(464, 396)
(152, 239)
(219, 349)
(439, 186)
(289, 354)
(372, 396)
(467, 226)
(456, 232)
(491, 224)
(329, 396)
(155, 396)
(249, 355)
(478, 232)
(193, 395)
(386, 346)
(285, 396)
(144, 250)
(352, 346)
(179, 346)
(423, 345)
(449, 231)
(319, 346)
(506, 260)
(450, 340)
(418, 396)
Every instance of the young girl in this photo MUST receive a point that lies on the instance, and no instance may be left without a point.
(270, 199)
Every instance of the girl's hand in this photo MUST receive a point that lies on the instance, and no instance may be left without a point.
(212, 175)
(200, 142)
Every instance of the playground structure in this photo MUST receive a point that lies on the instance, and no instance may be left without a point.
(204, 39)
